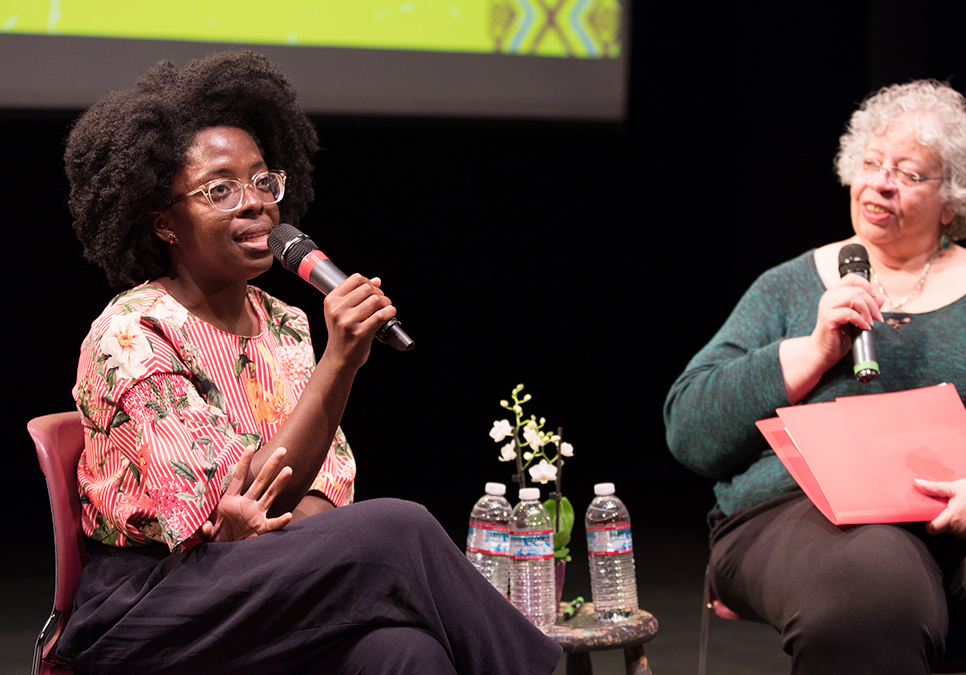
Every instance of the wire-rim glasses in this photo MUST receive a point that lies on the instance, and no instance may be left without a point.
(227, 194)
(871, 167)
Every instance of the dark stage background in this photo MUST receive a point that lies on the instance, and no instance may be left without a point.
(586, 260)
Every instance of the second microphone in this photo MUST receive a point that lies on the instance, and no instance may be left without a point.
(300, 255)
(854, 259)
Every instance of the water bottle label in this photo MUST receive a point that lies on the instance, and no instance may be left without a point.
(531, 545)
(609, 539)
(488, 538)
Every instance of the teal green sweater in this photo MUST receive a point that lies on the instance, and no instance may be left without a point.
(736, 379)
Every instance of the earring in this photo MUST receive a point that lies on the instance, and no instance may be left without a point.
(944, 241)
(172, 237)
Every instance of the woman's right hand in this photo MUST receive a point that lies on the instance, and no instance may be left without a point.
(354, 311)
(852, 301)
(243, 516)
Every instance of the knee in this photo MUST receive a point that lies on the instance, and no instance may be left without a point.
(882, 589)
(397, 649)
(399, 519)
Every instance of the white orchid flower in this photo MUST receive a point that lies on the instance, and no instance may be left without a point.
(566, 449)
(507, 453)
(532, 438)
(543, 472)
(501, 429)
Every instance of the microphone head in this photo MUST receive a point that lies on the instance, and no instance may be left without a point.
(853, 258)
(290, 245)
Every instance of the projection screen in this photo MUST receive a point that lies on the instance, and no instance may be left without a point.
(558, 59)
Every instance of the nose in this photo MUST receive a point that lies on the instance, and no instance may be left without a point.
(249, 200)
(884, 178)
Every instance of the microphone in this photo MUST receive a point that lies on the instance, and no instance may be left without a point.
(854, 259)
(299, 254)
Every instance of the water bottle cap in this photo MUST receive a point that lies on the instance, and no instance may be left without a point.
(604, 489)
(529, 494)
(495, 489)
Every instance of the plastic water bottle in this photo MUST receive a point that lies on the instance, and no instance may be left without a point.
(488, 539)
(613, 584)
(532, 585)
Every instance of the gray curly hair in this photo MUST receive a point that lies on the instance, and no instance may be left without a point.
(940, 125)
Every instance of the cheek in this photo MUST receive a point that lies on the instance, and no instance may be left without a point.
(855, 192)
(272, 211)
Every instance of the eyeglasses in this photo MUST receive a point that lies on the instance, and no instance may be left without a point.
(871, 167)
(227, 194)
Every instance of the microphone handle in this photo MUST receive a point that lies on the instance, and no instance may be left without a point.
(865, 367)
(318, 270)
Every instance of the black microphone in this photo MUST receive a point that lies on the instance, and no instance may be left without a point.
(854, 259)
(299, 254)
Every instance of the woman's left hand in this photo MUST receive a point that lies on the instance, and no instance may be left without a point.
(243, 516)
(953, 519)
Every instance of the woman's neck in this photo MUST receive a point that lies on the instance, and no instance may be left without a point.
(226, 308)
(910, 260)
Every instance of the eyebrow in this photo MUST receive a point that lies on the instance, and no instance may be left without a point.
(225, 171)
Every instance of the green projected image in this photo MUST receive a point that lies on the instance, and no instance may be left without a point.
(557, 28)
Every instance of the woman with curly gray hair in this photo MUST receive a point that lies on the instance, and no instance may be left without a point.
(216, 485)
(871, 598)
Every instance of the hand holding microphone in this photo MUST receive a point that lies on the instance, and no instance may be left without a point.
(300, 255)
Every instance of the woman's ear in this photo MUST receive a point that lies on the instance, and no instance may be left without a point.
(161, 225)
(946, 217)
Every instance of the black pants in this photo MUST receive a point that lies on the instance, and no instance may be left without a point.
(375, 587)
(855, 599)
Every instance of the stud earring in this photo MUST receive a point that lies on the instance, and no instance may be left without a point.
(172, 237)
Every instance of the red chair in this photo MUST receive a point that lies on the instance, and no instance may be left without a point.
(60, 439)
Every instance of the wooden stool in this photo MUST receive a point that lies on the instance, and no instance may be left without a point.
(582, 634)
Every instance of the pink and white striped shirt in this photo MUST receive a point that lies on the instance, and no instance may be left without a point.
(169, 404)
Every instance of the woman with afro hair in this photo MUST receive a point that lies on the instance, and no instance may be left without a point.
(216, 484)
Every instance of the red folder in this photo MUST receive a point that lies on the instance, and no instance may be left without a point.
(855, 457)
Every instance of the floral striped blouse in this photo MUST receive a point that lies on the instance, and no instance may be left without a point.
(169, 404)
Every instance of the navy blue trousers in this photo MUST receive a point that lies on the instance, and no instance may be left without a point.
(374, 587)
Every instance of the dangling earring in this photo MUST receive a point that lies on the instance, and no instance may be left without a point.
(944, 240)
(173, 238)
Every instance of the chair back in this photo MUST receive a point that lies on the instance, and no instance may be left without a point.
(60, 440)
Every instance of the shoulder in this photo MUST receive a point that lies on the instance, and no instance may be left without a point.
(128, 307)
(796, 274)
(124, 344)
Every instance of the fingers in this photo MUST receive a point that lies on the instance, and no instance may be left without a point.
(272, 524)
(940, 524)
(357, 299)
(265, 475)
(241, 472)
(940, 490)
(935, 488)
(355, 310)
(858, 294)
(276, 487)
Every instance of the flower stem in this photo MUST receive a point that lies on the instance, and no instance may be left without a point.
(558, 490)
